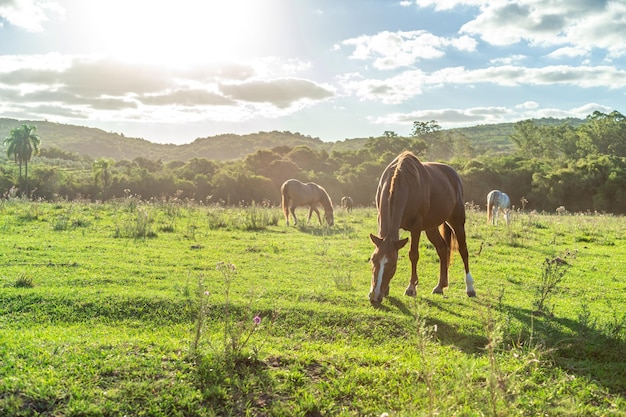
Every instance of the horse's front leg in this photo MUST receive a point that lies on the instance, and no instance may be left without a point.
(443, 250)
(314, 209)
(414, 256)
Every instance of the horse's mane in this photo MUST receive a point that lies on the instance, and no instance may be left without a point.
(404, 158)
(324, 198)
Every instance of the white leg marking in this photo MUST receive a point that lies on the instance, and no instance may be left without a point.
(379, 278)
(469, 282)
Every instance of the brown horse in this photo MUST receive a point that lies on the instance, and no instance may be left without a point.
(296, 193)
(347, 203)
(418, 197)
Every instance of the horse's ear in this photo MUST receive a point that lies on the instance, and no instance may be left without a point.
(375, 240)
(399, 244)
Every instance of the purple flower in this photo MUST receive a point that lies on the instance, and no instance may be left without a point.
(207, 293)
(257, 320)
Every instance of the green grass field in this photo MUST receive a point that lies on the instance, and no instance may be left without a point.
(167, 309)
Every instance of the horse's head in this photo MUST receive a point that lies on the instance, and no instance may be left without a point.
(384, 261)
(328, 215)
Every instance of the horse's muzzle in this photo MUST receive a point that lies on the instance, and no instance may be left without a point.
(375, 301)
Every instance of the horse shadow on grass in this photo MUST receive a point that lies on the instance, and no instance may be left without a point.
(316, 230)
(446, 333)
(579, 347)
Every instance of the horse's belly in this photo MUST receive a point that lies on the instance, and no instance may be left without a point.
(431, 221)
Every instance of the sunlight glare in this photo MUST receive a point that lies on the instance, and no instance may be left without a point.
(175, 33)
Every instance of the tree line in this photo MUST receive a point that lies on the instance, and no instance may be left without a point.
(582, 168)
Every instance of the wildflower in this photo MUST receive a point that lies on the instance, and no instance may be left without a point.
(207, 293)
(257, 320)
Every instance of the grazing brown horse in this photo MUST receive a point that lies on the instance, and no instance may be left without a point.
(296, 193)
(418, 197)
(347, 203)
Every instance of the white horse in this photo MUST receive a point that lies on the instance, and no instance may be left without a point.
(497, 200)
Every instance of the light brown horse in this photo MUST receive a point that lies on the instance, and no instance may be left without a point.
(296, 193)
(418, 197)
(347, 203)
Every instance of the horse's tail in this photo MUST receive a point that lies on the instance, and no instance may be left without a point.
(284, 190)
(450, 237)
(489, 207)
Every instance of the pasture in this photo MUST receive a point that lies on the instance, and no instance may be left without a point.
(171, 309)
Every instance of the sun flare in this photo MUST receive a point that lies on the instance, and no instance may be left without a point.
(173, 33)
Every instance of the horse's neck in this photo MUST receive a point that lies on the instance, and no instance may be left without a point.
(390, 217)
(324, 200)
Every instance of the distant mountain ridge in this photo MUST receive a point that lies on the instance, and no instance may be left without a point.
(98, 143)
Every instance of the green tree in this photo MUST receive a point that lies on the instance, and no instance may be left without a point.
(603, 134)
(439, 145)
(102, 173)
(394, 145)
(22, 144)
(530, 139)
(425, 128)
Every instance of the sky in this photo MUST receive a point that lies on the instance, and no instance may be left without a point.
(174, 71)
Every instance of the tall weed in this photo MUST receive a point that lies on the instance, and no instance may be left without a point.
(552, 273)
(137, 227)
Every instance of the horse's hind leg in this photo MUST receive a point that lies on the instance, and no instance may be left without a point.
(459, 231)
(293, 214)
(443, 250)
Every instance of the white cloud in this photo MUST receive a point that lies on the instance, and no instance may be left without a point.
(507, 59)
(392, 90)
(528, 105)
(103, 87)
(568, 52)
(448, 4)
(28, 14)
(390, 50)
(282, 93)
(451, 118)
(578, 24)
(408, 84)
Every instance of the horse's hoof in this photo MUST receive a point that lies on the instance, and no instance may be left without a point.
(374, 302)
(438, 290)
(410, 291)
(471, 293)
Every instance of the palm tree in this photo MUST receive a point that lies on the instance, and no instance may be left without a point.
(102, 173)
(22, 144)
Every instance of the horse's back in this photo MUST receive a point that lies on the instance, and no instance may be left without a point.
(446, 190)
(290, 184)
(498, 198)
(446, 176)
(299, 192)
(427, 192)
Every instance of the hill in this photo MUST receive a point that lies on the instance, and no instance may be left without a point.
(495, 137)
(98, 143)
